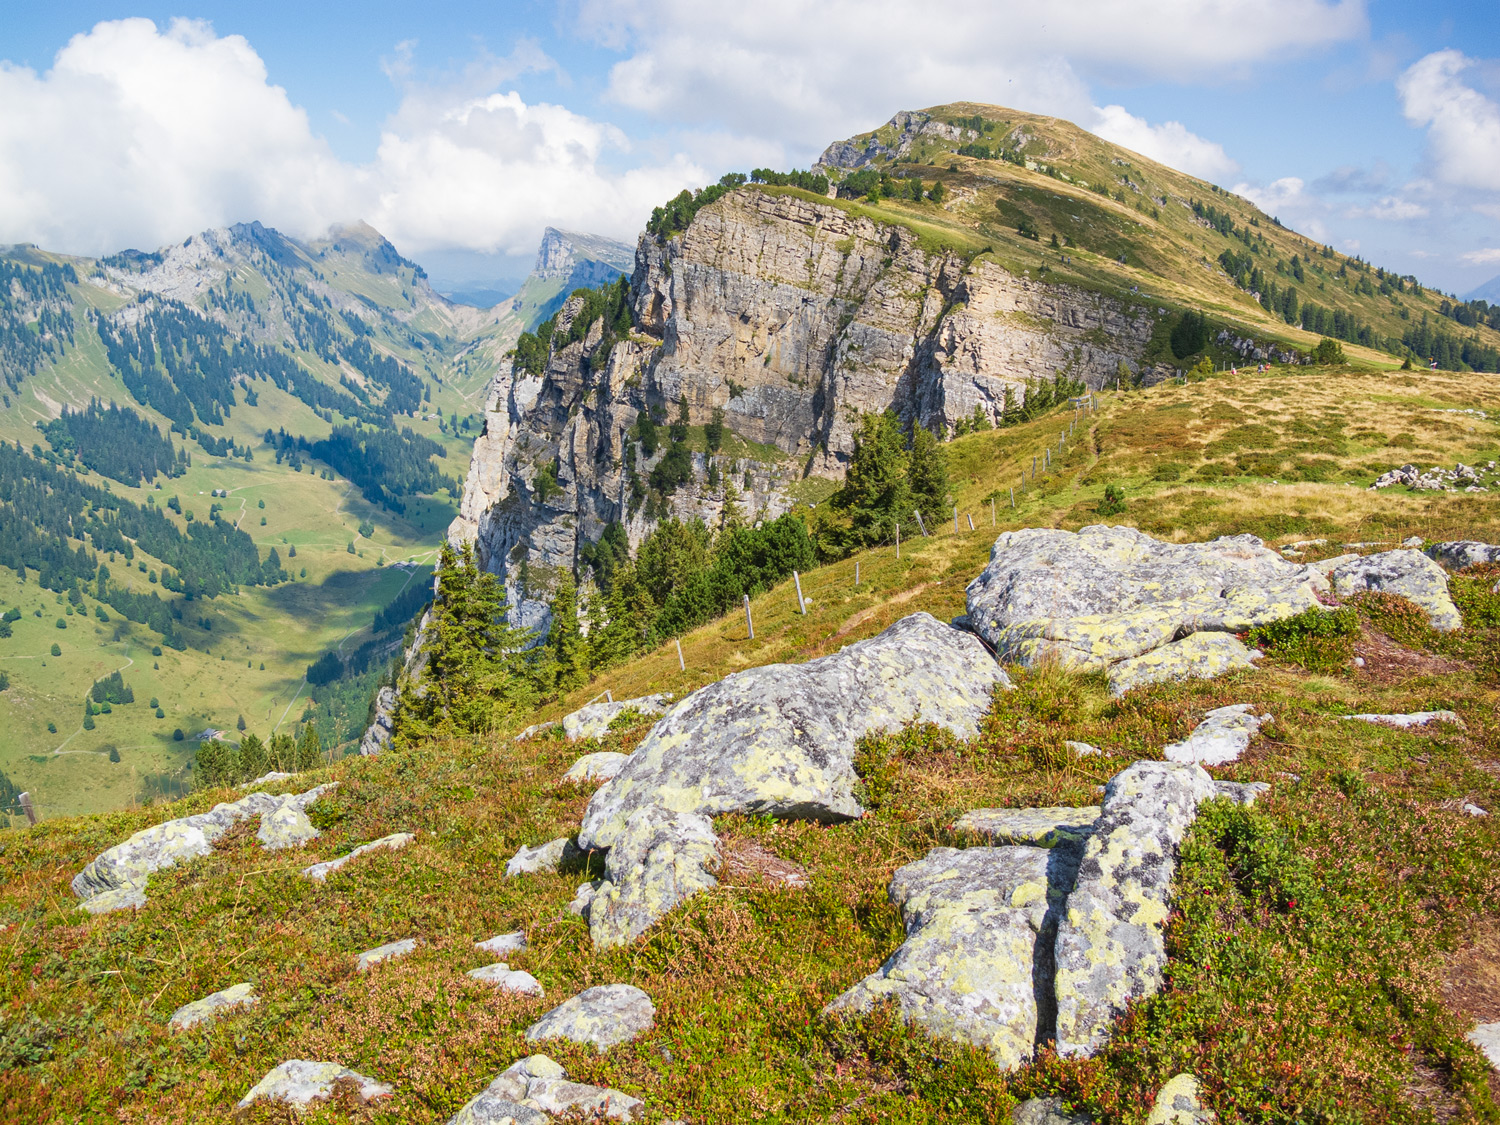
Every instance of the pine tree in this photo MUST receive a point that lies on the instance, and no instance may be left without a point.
(876, 494)
(927, 475)
(565, 641)
(308, 748)
(252, 757)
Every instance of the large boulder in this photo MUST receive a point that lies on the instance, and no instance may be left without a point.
(780, 739)
(600, 1016)
(1410, 574)
(1464, 552)
(1105, 595)
(592, 720)
(660, 858)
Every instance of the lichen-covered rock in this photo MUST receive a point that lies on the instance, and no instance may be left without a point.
(1199, 656)
(1178, 1103)
(213, 1005)
(319, 872)
(544, 859)
(583, 898)
(979, 929)
(287, 827)
(503, 977)
(602, 1016)
(1110, 949)
(117, 877)
(659, 859)
(503, 943)
(1487, 1038)
(390, 950)
(1409, 720)
(1466, 552)
(1042, 828)
(600, 766)
(1222, 736)
(1410, 574)
(377, 736)
(593, 720)
(780, 739)
(1241, 792)
(299, 1082)
(530, 1088)
(1046, 1111)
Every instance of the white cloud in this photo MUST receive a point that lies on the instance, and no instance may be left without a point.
(1390, 209)
(1169, 143)
(1288, 200)
(140, 136)
(1463, 126)
(1485, 257)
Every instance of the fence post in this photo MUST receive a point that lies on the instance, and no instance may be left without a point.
(856, 572)
(608, 696)
(26, 807)
(993, 521)
(955, 519)
(971, 521)
(682, 664)
(749, 624)
(920, 525)
(1012, 496)
(898, 542)
(801, 603)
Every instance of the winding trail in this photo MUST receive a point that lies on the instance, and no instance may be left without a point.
(129, 660)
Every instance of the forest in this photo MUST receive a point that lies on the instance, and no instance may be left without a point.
(385, 464)
(115, 442)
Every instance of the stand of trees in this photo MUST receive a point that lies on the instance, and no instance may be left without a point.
(385, 464)
(115, 442)
(220, 763)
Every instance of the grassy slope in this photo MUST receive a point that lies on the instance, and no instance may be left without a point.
(1308, 955)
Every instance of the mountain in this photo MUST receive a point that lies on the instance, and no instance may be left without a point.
(566, 261)
(1489, 291)
(789, 305)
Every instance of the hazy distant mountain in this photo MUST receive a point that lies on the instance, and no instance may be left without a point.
(1489, 291)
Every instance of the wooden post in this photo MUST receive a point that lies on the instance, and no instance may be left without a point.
(971, 521)
(749, 624)
(801, 604)
(920, 525)
(955, 519)
(1033, 467)
(26, 807)
(682, 664)
(856, 572)
(898, 542)
(1012, 497)
(993, 521)
(607, 696)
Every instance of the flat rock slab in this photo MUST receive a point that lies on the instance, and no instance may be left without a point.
(593, 721)
(503, 977)
(1222, 736)
(1410, 574)
(600, 766)
(1200, 656)
(1178, 1103)
(503, 943)
(602, 1016)
(779, 740)
(1465, 552)
(390, 950)
(319, 872)
(299, 1082)
(1408, 721)
(1104, 595)
(213, 1005)
(1046, 1111)
(978, 921)
(1487, 1038)
(117, 877)
(531, 1088)
(1041, 828)
(659, 859)
(544, 859)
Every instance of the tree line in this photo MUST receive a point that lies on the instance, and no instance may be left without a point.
(385, 464)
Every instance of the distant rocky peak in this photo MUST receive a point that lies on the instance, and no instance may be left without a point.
(562, 252)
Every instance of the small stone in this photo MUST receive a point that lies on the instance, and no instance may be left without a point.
(503, 977)
(299, 1082)
(267, 779)
(1046, 1111)
(596, 767)
(1244, 792)
(1474, 810)
(602, 1016)
(1413, 719)
(391, 949)
(583, 898)
(1222, 736)
(1043, 828)
(213, 1005)
(1487, 1038)
(530, 1088)
(1179, 1104)
(1359, 661)
(319, 872)
(544, 859)
(503, 943)
(1083, 749)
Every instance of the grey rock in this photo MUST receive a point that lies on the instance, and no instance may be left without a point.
(1199, 656)
(1222, 736)
(377, 736)
(1487, 1038)
(1110, 949)
(593, 720)
(390, 950)
(503, 943)
(319, 872)
(583, 898)
(1082, 749)
(1178, 1103)
(1472, 809)
(1462, 553)
(503, 977)
(1409, 720)
(1410, 574)
(300, 1082)
(1042, 828)
(1046, 1111)
(1241, 792)
(600, 766)
(531, 1088)
(602, 1016)
(780, 739)
(535, 729)
(267, 779)
(286, 827)
(213, 1005)
(544, 859)
(659, 859)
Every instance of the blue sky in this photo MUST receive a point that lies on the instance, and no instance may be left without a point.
(461, 130)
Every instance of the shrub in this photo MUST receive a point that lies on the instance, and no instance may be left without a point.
(1331, 351)
(177, 735)
(56, 649)
(1318, 640)
(1113, 502)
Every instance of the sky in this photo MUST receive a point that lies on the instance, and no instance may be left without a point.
(461, 130)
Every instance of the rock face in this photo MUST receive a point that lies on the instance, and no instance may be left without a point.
(780, 739)
(593, 720)
(319, 872)
(1222, 736)
(1410, 574)
(531, 1088)
(1467, 552)
(1114, 598)
(377, 736)
(213, 1005)
(117, 878)
(602, 1016)
(658, 859)
(299, 1082)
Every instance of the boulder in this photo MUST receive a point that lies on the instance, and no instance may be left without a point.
(1222, 736)
(299, 1082)
(117, 877)
(979, 925)
(1241, 792)
(1487, 1038)
(1178, 1103)
(267, 779)
(1046, 1111)
(1410, 574)
(213, 1005)
(503, 943)
(1110, 949)
(544, 859)
(583, 898)
(1198, 656)
(659, 858)
(601, 1016)
(780, 739)
(1082, 749)
(1104, 595)
(596, 767)
(503, 977)
(531, 1088)
(1042, 828)
(593, 720)
(287, 827)
(1409, 720)
(1465, 552)
(390, 950)
(319, 872)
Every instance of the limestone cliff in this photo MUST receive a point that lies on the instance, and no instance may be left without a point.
(792, 316)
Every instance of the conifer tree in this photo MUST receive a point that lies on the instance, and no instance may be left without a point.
(928, 474)
(308, 748)
(252, 757)
(876, 494)
(565, 641)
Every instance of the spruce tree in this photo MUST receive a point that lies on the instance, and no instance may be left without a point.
(928, 475)
(876, 494)
(308, 748)
(565, 641)
(252, 757)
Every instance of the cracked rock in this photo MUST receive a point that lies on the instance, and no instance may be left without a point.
(300, 1082)
(659, 859)
(601, 1016)
(1222, 736)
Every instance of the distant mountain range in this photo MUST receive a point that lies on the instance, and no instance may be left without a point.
(1489, 291)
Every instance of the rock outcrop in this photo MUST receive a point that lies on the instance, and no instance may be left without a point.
(1222, 736)
(212, 1006)
(530, 1089)
(1465, 552)
(592, 720)
(1410, 574)
(319, 872)
(658, 859)
(600, 1016)
(300, 1082)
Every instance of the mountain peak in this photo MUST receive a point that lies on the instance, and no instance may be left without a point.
(561, 251)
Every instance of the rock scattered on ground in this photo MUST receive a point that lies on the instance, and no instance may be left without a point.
(1115, 598)
(1244, 792)
(544, 859)
(601, 1016)
(1487, 1038)
(503, 977)
(1046, 1111)
(600, 766)
(390, 950)
(267, 779)
(1222, 736)
(299, 1082)
(1460, 478)
(117, 877)
(1041, 828)
(1465, 552)
(1178, 1103)
(531, 1088)
(659, 859)
(212, 1006)
(1410, 574)
(1082, 749)
(592, 721)
(1472, 809)
(286, 827)
(535, 729)
(503, 943)
(1410, 720)
(780, 739)
(583, 898)
(319, 872)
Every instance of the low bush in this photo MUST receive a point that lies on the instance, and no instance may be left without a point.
(1318, 640)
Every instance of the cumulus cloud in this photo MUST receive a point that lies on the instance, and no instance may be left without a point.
(1487, 257)
(1289, 200)
(1170, 143)
(1390, 209)
(139, 136)
(1463, 126)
